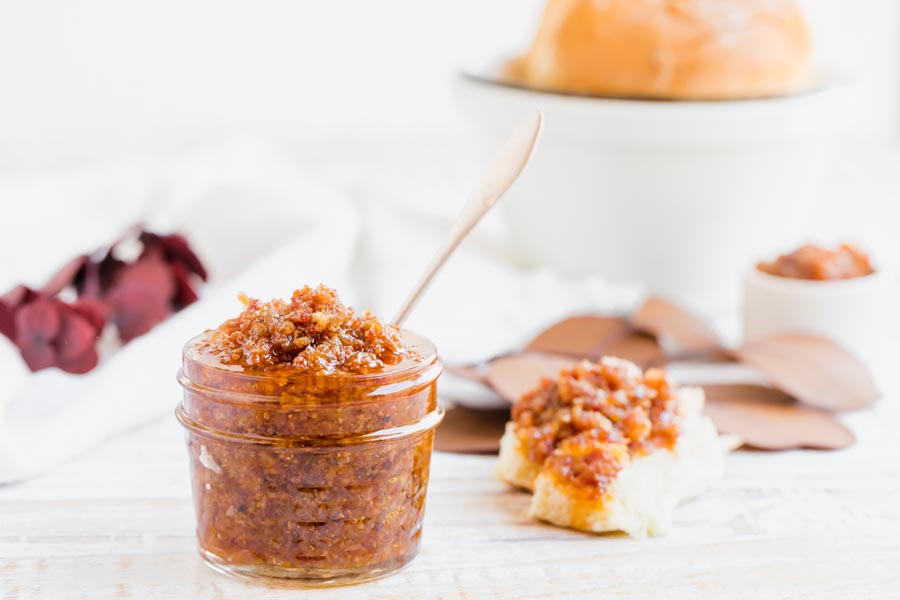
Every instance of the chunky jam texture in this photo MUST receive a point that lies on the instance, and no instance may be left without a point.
(313, 331)
(822, 264)
(291, 477)
(282, 511)
(588, 463)
(584, 425)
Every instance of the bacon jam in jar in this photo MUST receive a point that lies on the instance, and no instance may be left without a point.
(310, 430)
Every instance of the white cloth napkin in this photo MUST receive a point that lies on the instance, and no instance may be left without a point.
(263, 227)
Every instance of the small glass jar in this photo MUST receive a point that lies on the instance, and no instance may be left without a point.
(319, 479)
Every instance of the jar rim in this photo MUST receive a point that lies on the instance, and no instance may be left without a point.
(426, 350)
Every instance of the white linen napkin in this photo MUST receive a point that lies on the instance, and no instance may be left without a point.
(259, 225)
(264, 227)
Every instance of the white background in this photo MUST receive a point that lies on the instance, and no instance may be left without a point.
(358, 88)
(98, 79)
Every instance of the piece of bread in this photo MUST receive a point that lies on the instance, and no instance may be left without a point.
(669, 49)
(644, 493)
(604, 446)
(513, 464)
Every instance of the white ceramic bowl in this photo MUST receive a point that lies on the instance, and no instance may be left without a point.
(678, 196)
(855, 312)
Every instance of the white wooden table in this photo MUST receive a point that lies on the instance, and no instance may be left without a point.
(117, 523)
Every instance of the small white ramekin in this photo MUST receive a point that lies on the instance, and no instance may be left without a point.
(855, 313)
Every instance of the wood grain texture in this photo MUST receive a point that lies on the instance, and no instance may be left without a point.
(117, 523)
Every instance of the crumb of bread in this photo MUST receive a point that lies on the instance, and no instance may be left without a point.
(513, 465)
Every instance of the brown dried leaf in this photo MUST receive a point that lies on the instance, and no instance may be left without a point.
(814, 370)
(593, 336)
(581, 336)
(642, 349)
(513, 375)
(664, 319)
(768, 419)
(471, 431)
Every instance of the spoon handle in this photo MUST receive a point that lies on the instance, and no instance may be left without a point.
(500, 174)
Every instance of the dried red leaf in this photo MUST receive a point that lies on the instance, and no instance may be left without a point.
(134, 296)
(140, 298)
(108, 270)
(37, 353)
(814, 370)
(9, 306)
(76, 351)
(18, 295)
(97, 276)
(36, 324)
(664, 319)
(768, 419)
(81, 363)
(93, 310)
(513, 375)
(176, 250)
(51, 333)
(185, 294)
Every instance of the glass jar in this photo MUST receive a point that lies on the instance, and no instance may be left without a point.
(319, 479)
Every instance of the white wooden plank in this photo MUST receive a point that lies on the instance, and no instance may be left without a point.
(117, 523)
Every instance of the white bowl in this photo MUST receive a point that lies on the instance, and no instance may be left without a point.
(679, 196)
(855, 312)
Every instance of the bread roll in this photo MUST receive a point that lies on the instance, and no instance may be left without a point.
(669, 49)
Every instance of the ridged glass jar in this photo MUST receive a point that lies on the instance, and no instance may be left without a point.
(318, 479)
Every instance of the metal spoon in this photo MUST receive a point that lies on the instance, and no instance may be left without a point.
(502, 171)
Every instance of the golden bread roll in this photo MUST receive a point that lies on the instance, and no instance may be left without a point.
(669, 49)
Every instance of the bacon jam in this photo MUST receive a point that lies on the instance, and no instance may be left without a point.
(310, 431)
(820, 264)
(583, 426)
